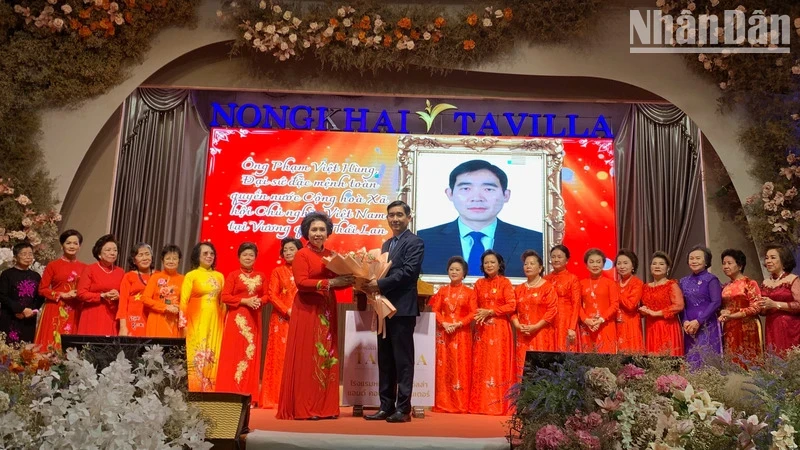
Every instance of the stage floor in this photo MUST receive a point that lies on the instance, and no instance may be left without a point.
(435, 431)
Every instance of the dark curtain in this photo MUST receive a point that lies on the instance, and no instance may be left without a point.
(658, 170)
(158, 188)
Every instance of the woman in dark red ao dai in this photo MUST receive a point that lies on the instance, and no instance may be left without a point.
(780, 300)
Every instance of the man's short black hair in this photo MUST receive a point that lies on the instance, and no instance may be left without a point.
(476, 165)
(404, 205)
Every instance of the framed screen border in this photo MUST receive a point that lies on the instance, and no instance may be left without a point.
(552, 150)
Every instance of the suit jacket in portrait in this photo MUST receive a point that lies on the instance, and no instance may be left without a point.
(400, 283)
(510, 241)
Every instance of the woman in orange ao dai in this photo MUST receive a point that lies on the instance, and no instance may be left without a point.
(662, 300)
(161, 297)
(280, 292)
(493, 346)
(454, 306)
(568, 289)
(536, 311)
(131, 313)
(599, 307)
(629, 321)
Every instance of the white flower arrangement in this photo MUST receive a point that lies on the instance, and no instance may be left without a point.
(123, 407)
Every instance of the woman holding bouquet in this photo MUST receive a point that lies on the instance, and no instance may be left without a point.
(454, 307)
(281, 293)
(203, 313)
(310, 383)
(59, 287)
(131, 314)
(243, 292)
(537, 306)
(493, 346)
(162, 296)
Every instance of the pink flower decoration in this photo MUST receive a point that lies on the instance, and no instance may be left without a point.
(550, 437)
(587, 440)
(631, 372)
(666, 383)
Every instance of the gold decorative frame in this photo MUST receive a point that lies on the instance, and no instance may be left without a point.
(552, 150)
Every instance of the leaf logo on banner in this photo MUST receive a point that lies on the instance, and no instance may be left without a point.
(430, 113)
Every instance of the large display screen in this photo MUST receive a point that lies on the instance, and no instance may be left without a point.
(521, 193)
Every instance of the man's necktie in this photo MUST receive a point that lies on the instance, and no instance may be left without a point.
(474, 261)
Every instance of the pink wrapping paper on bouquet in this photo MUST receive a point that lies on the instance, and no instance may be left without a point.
(366, 266)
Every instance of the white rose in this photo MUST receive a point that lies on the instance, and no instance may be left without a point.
(256, 42)
(66, 8)
(259, 26)
(410, 45)
(292, 38)
(283, 30)
(347, 22)
(270, 29)
(328, 32)
(247, 36)
(306, 44)
(487, 22)
(426, 36)
(287, 15)
(276, 9)
(296, 21)
(262, 5)
(498, 14)
(284, 46)
(341, 12)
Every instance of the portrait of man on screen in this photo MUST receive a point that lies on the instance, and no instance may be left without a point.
(479, 190)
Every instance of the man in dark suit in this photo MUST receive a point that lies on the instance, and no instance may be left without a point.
(478, 190)
(396, 350)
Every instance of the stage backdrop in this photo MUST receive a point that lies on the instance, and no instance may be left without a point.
(260, 183)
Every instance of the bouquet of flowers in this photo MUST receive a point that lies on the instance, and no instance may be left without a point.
(366, 266)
